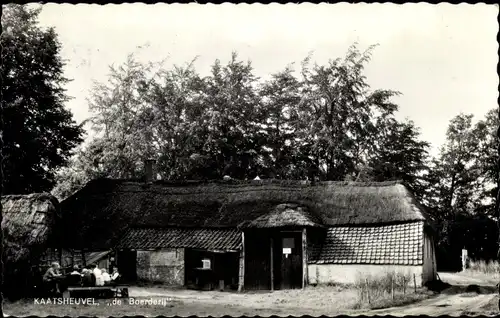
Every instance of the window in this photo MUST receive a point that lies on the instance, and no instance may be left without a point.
(207, 264)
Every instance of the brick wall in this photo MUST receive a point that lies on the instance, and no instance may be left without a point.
(164, 266)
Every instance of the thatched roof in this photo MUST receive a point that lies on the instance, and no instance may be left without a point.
(284, 215)
(27, 223)
(97, 215)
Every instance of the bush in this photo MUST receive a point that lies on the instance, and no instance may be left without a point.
(484, 267)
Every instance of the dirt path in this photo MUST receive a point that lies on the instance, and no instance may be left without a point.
(453, 305)
(462, 279)
(454, 301)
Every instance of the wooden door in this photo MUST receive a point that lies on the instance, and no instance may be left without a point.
(291, 260)
(127, 265)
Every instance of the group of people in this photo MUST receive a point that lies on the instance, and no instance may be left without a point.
(95, 276)
(88, 276)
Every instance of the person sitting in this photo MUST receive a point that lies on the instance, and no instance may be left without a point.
(106, 278)
(98, 276)
(76, 270)
(52, 276)
(75, 277)
(88, 278)
(115, 276)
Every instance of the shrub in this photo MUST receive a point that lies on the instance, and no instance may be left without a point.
(389, 288)
(484, 267)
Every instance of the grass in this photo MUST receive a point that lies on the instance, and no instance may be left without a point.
(484, 270)
(400, 300)
(483, 267)
(391, 289)
(314, 301)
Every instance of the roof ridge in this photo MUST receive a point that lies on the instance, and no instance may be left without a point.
(239, 182)
(29, 195)
(42, 196)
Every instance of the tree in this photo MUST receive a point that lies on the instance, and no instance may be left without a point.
(488, 159)
(85, 165)
(39, 132)
(456, 172)
(339, 114)
(179, 123)
(326, 124)
(234, 139)
(123, 120)
(279, 97)
(460, 177)
(197, 128)
(399, 154)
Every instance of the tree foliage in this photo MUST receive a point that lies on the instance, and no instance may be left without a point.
(463, 183)
(399, 154)
(323, 123)
(340, 114)
(39, 132)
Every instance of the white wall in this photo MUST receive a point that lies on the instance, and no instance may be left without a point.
(163, 266)
(349, 273)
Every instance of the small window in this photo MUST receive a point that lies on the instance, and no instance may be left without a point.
(207, 264)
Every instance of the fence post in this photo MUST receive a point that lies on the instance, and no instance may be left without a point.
(415, 282)
(404, 285)
(367, 290)
(392, 287)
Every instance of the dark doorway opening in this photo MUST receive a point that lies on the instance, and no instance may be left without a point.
(127, 265)
(211, 269)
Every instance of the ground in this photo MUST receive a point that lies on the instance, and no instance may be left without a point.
(464, 295)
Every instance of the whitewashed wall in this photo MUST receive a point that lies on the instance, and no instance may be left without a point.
(349, 273)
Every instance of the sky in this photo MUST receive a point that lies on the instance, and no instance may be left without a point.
(442, 58)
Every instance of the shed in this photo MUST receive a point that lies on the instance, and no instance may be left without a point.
(27, 224)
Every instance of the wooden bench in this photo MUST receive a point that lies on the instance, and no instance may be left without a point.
(112, 291)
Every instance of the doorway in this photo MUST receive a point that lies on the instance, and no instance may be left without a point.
(289, 260)
(127, 265)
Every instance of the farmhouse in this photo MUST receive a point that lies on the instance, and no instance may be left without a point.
(260, 234)
(27, 225)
